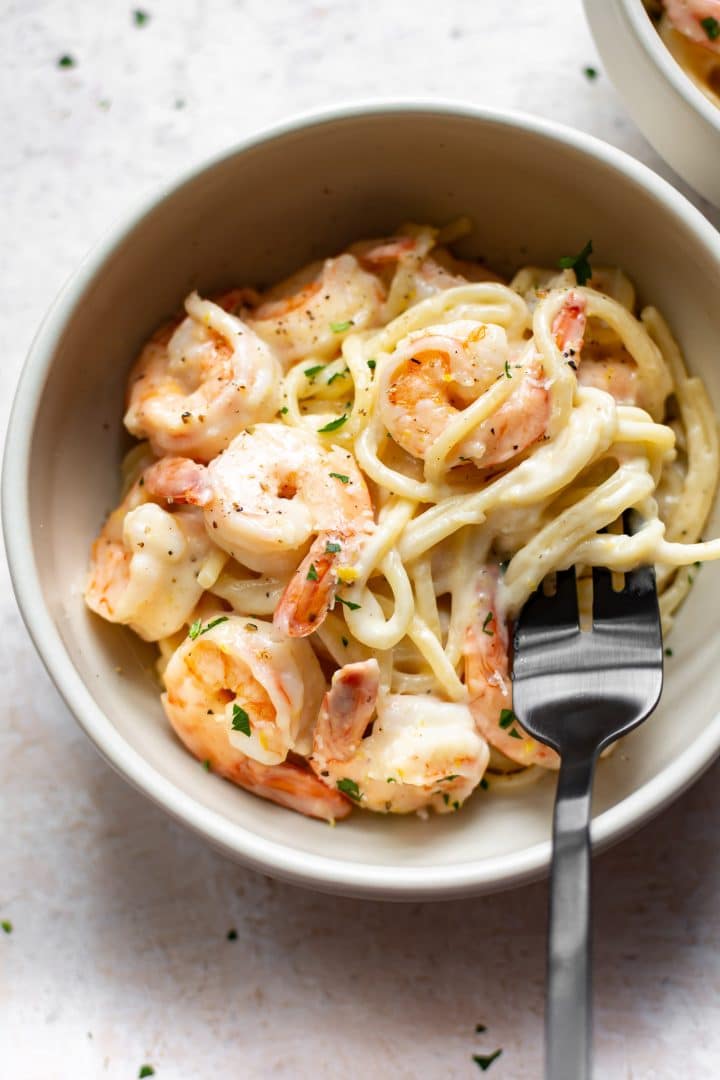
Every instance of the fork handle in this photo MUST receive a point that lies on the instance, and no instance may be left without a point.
(568, 1017)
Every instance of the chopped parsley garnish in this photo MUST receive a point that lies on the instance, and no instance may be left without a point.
(232, 934)
(312, 574)
(334, 424)
(507, 717)
(345, 641)
(145, 1070)
(391, 780)
(341, 327)
(480, 1028)
(311, 372)
(590, 73)
(251, 626)
(580, 263)
(332, 548)
(338, 375)
(347, 603)
(452, 776)
(668, 652)
(240, 720)
(711, 27)
(488, 619)
(339, 476)
(349, 787)
(207, 765)
(456, 806)
(484, 1061)
(7, 926)
(197, 627)
(507, 370)
(514, 734)
(66, 61)
(446, 798)
(141, 18)
(284, 410)
(484, 784)
(372, 363)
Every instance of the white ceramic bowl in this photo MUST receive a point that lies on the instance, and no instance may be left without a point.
(671, 111)
(536, 191)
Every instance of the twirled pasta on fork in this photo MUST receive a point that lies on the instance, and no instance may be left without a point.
(349, 486)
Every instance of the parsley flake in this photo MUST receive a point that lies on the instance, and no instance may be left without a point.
(372, 363)
(141, 18)
(488, 619)
(507, 370)
(452, 776)
(345, 641)
(283, 411)
(334, 424)
(514, 734)
(347, 603)
(590, 73)
(207, 765)
(251, 626)
(711, 27)
(668, 652)
(66, 61)
(145, 1070)
(311, 372)
(232, 934)
(332, 548)
(338, 375)
(580, 263)
(480, 1028)
(349, 787)
(240, 720)
(507, 717)
(197, 627)
(484, 1061)
(484, 784)
(7, 926)
(312, 574)
(340, 477)
(341, 327)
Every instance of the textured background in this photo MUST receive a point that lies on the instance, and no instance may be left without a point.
(119, 954)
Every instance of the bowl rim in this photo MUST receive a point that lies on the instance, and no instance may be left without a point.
(323, 872)
(674, 72)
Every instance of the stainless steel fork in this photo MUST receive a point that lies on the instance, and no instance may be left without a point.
(578, 691)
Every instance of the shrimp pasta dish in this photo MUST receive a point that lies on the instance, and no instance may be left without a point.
(691, 31)
(346, 487)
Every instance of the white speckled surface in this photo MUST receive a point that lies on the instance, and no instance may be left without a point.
(118, 954)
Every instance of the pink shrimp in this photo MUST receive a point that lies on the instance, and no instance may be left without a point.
(487, 676)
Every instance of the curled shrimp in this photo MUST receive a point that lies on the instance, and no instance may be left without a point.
(145, 563)
(312, 312)
(435, 373)
(262, 690)
(273, 492)
(689, 17)
(487, 677)
(422, 752)
(191, 391)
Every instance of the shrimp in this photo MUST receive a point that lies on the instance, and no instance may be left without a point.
(145, 563)
(488, 680)
(437, 372)
(266, 497)
(616, 374)
(263, 690)
(192, 390)
(312, 312)
(422, 752)
(690, 18)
